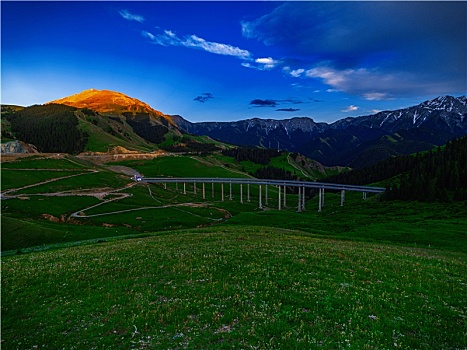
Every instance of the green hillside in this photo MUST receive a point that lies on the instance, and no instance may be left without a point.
(42, 193)
(234, 287)
(105, 134)
(64, 129)
(159, 266)
(434, 175)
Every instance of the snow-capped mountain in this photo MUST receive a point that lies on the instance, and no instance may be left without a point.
(445, 112)
(387, 133)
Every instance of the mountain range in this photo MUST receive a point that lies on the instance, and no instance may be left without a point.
(106, 119)
(354, 142)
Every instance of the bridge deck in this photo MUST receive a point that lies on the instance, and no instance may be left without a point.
(307, 184)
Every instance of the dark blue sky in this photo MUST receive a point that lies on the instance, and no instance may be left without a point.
(218, 61)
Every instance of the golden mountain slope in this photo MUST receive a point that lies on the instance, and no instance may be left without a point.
(106, 101)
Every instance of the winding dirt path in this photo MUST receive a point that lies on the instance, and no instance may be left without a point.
(178, 206)
(299, 169)
(4, 193)
(104, 192)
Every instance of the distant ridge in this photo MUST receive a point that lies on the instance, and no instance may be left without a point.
(354, 142)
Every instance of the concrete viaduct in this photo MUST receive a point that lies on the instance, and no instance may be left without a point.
(280, 184)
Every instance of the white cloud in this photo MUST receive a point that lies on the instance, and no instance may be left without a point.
(368, 83)
(296, 72)
(131, 17)
(350, 108)
(296, 85)
(248, 31)
(169, 38)
(404, 55)
(267, 60)
(216, 48)
(148, 35)
(330, 76)
(267, 63)
(371, 96)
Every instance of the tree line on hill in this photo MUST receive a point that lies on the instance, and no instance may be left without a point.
(142, 126)
(261, 156)
(51, 128)
(428, 176)
(271, 172)
(253, 154)
(186, 144)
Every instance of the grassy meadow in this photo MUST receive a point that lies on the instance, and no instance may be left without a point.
(234, 287)
(146, 266)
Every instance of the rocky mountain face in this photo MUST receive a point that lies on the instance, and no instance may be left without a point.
(269, 133)
(352, 142)
(17, 147)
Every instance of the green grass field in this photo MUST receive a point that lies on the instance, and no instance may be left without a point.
(161, 269)
(181, 166)
(15, 179)
(235, 287)
(33, 162)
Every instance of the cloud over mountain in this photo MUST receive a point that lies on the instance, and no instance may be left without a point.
(275, 103)
(405, 48)
(350, 108)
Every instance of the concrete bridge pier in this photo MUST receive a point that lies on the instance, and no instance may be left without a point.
(194, 188)
(230, 196)
(241, 193)
(299, 207)
(342, 197)
(320, 201)
(364, 196)
(204, 192)
(260, 203)
(248, 193)
(222, 192)
(322, 197)
(212, 189)
(303, 198)
(266, 190)
(279, 206)
(285, 196)
(165, 185)
(184, 188)
(176, 186)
